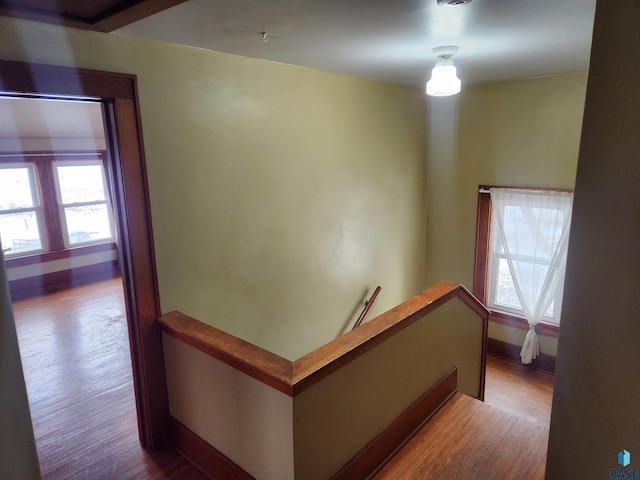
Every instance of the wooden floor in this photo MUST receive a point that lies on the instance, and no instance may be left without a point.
(77, 367)
(75, 356)
(503, 438)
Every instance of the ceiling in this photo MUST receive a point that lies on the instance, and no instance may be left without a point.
(388, 40)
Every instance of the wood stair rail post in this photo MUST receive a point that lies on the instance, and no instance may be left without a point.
(367, 306)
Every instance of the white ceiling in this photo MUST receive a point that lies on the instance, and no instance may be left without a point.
(388, 40)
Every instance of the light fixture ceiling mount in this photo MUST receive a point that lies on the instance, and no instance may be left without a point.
(452, 3)
(444, 81)
(445, 52)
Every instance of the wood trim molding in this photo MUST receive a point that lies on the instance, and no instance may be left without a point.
(483, 241)
(118, 15)
(118, 94)
(133, 13)
(208, 459)
(61, 280)
(50, 207)
(267, 367)
(65, 82)
(498, 348)
(22, 155)
(313, 367)
(542, 327)
(381, 449)
(51, 256)
(139, 268)
(472, 302)
(292, 378)
(514, 187)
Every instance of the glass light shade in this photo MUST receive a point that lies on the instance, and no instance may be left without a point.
(444, 81)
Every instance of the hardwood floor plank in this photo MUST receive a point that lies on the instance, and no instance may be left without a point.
(426, 444)
(519, 390)
(487, 425)
(75, 353)
(517, 454)
(503, 438)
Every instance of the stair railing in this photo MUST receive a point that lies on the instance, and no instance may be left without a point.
(367, 306)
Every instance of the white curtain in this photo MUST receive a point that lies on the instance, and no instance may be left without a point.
(533, 228)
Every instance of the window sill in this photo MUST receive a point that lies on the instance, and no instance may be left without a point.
(59, 254)
(543, 328)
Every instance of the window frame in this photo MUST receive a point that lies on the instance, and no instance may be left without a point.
(82, 160)
(37, 208)
(53, 237)
(482, 269)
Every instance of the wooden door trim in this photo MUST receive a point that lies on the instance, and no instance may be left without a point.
(118, 92)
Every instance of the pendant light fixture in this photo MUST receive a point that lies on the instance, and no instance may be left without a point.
(444, 81)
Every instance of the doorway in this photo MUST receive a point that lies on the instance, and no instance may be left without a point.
(59, 241)
(117, 95)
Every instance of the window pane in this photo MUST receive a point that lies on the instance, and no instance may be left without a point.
(532, 275)
(517, 221)
(506, 292)
(549, 312)
(87, 223)
(20, 232)
(15, 188)
(80, 183)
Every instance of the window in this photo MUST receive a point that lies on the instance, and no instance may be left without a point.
(82, 200)
(523, 234)
(20, 209)
(50, 204)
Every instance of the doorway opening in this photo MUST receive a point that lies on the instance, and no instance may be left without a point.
(116, 94)
(59, 239)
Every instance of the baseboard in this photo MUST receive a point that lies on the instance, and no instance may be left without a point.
(56, 281)
(509, 351)
(206, 458)
(381, 449)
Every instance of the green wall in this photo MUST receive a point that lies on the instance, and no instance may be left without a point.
(280, 195)
(517, 133)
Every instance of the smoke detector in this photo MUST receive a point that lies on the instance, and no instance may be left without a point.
(452, 3)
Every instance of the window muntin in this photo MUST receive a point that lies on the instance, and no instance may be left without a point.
(20, 210)
(81, 191)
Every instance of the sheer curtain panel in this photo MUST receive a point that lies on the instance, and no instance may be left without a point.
(532, 230)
